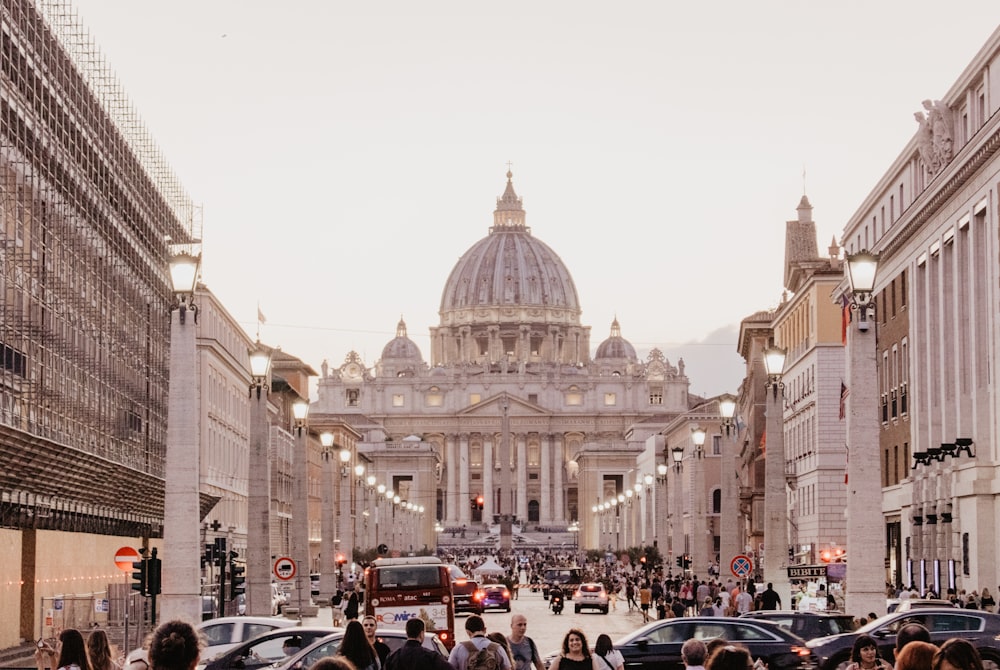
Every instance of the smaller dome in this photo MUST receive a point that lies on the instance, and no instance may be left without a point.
(401, 347)
(616, 346)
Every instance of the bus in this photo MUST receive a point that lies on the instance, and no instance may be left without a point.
(399, 589)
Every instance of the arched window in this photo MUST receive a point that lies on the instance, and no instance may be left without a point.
(716, 501)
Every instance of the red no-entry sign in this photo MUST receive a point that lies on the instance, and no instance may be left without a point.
(124, 558)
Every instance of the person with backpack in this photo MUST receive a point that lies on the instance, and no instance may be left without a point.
(478, 652)
(526, 656)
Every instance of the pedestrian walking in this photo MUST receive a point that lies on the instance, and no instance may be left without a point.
(413, 655)
(575, 653)
(693, 653)
(769, 598)
(99, 651)
(522, 647)
(174, 646)
(475, 628)
(606, 654)
(645, 600)
(356, 648)
(70, 653)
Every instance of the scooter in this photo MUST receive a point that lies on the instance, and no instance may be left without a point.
(556, 603)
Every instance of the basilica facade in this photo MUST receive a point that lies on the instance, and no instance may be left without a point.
(511, 371)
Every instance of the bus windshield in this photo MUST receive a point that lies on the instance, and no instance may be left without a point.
(400, 589)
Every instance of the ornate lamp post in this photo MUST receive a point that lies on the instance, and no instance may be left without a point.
(775, 498)
(677, 513)
(259, 564)
(300, 504)
(343, 509)
(865, 526)
(328, 549)
(662, 516)
(730, 542)
(181, 566)
(699, 527)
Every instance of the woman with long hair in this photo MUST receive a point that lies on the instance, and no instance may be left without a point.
(608, 658)
(575, 653)
(864, 655)
(70, 653)
(957, 654)
(99, 651)
(729, 657)
(356, 647)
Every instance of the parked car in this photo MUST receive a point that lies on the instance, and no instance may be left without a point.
(591, 595)
(982, 629)
(658, 644)
(225, 633)
(269, 648)
(465, 591)
(807, 625)
(495, 596)
(328, 646)
(916, 603)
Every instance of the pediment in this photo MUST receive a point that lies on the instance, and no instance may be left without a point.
(493, 406)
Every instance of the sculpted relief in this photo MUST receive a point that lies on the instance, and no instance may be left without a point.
(934, 137)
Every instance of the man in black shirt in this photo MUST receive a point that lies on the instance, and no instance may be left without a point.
(769, 598)
(413, 655)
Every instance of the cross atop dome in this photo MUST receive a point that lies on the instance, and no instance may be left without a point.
(509, 214)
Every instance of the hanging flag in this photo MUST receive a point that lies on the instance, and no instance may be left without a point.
(845, 317)
(763, 444)
(847, 465)
(843, 400)
(260, 315)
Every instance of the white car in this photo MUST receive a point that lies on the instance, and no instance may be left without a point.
(221, 635)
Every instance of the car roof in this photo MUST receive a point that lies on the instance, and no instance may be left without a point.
(718, 621)
(588, 584)
(763, 614)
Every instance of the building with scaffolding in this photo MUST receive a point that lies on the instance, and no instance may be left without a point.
(88, 207)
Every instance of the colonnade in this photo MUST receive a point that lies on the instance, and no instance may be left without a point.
(469, 454)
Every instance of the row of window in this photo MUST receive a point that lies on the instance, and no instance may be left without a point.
(434, 397)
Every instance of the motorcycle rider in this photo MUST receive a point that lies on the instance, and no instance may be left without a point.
(556, 599)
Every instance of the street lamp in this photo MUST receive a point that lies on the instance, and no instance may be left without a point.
(775, 499)
(328, 548)
(700, 555)
(677, 513)
(300, 503)
(729, 534)
(181, 567)
(865, 526)
(258, 574)
(344, 491)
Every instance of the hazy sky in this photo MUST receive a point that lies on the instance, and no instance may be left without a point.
(347, 153)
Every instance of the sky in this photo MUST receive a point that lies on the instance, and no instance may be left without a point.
(346, 154)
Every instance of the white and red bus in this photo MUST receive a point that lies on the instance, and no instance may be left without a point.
(400, 589)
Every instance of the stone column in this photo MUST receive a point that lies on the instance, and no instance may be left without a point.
(558, 463)
(451, 492)
(775, 498)
(522, 479)
(865, 525)
(464, 509)
(545, 480)
(489, 490)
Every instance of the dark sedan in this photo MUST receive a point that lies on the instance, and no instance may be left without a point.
(807, 625)
(658, 645)
(269, 648)
(980, 628)
(328, 646)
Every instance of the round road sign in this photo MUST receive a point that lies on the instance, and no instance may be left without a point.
(741, 566)
(124, 558)
(284, 568)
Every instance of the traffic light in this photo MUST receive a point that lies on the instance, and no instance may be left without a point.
(479, 502)
(236, 579)
(687, 561)
(153, 576)
(139, 575)
(679, 561)
(472, 503)
(382, 549)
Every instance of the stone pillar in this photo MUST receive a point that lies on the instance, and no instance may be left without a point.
(558, 462)
(522, 479)
(775, 498)
(181, 571)
(300, 515)
(865, 525)
(545, 480)
(489, 490)
(451, 492)
(464, 495)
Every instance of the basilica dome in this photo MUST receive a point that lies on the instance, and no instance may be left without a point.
(401, 347)
(510, 268)
(615, 347)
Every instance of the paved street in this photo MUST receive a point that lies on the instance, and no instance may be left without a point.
(548, 629)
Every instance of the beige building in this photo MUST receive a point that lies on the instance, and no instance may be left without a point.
(933, 220)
